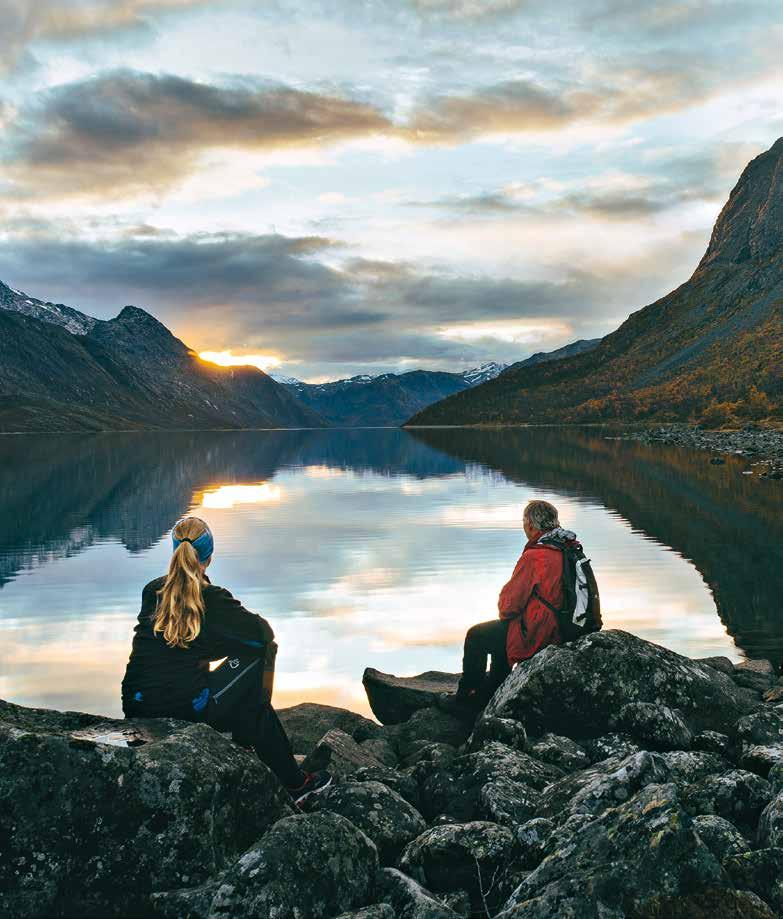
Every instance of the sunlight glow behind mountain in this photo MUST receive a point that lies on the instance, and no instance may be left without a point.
(265, 362)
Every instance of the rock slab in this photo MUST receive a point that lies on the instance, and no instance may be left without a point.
(393, 699)
(96, 815)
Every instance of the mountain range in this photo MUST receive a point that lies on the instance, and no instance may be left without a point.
(709, 350)
(386, 400)
(61, 370)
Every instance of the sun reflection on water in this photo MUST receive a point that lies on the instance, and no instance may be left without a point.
(225, 497)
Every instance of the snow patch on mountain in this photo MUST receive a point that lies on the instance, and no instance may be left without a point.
(73, 321)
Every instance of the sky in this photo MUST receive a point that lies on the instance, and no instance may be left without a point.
(334, 187)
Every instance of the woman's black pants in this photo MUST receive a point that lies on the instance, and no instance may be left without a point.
(485, 640)
(239, 703)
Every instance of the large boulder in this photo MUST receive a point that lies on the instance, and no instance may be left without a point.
(601, 786)
(688, 766)
(386, 818)
(762, 727)
(393, 699)
(656, 727)
(497, 761)
(405, 785)
(762, 758)
(503, 730)
(97, 814)
(409, 899)
(562, 752)
(340, 754)
(715, 903)
(533, 839)
(758, 675)
(473, 856)
(508, 803)
(607, 745)
(711, 742)
(736, 795)
(309, 865)
(307, 723)
(722, 838)
(614, 864)
(771, 824)
(377, 911)
(575, 689)
(760, 871)
(425, 726)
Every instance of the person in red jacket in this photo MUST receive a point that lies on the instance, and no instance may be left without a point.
(526, 624)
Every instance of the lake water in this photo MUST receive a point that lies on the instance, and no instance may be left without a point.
(368, 548)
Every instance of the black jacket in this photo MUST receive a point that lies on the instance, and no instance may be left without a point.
(162, 681)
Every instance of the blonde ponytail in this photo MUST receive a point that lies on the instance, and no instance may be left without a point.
(180, 603)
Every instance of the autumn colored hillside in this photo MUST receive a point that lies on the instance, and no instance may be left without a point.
(710, 351)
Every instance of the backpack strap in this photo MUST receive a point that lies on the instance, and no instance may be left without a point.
(546, 602)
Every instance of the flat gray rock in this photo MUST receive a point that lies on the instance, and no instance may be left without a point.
(393, 699)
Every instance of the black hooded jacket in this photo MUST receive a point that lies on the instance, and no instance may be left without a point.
(163, 681)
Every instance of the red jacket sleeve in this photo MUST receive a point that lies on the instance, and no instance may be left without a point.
(515, 595)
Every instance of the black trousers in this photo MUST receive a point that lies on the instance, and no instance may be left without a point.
(238, 703)
(485, 640)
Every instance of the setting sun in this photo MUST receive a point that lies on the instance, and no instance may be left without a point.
(265, 362)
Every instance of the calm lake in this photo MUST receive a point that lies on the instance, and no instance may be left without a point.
(368, 547)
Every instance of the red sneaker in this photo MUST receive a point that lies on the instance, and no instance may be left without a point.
(314, 783)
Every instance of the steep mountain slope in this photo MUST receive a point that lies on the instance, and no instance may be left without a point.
(710, 349)
(542, 357)
(127, 373)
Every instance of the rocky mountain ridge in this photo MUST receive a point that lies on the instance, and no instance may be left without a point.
(387, 399)
(62, 370)
(708, 350)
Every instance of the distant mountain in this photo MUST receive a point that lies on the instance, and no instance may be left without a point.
(710, 350)
(61, 370)
(481, 374)
(386, 400)
(382, 401)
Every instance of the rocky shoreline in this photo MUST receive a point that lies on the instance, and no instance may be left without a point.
(761, 448)
(607, 778)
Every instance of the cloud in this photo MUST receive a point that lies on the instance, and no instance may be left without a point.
(468, 9)
(670, 181)
(508, 107)
(275, 294)
(27, 21)
(126, 132)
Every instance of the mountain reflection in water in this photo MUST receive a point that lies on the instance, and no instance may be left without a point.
(367, 547)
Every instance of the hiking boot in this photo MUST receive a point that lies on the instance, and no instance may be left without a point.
(465, 706)
(314, 783)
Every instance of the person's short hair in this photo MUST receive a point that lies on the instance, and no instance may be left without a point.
(542, 515)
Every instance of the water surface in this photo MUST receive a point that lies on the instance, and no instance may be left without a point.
(367, 548)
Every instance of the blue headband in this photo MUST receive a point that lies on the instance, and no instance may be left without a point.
(204, 544)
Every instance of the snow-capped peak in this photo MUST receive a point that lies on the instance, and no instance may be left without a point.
(483, 373)
(73, 321)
